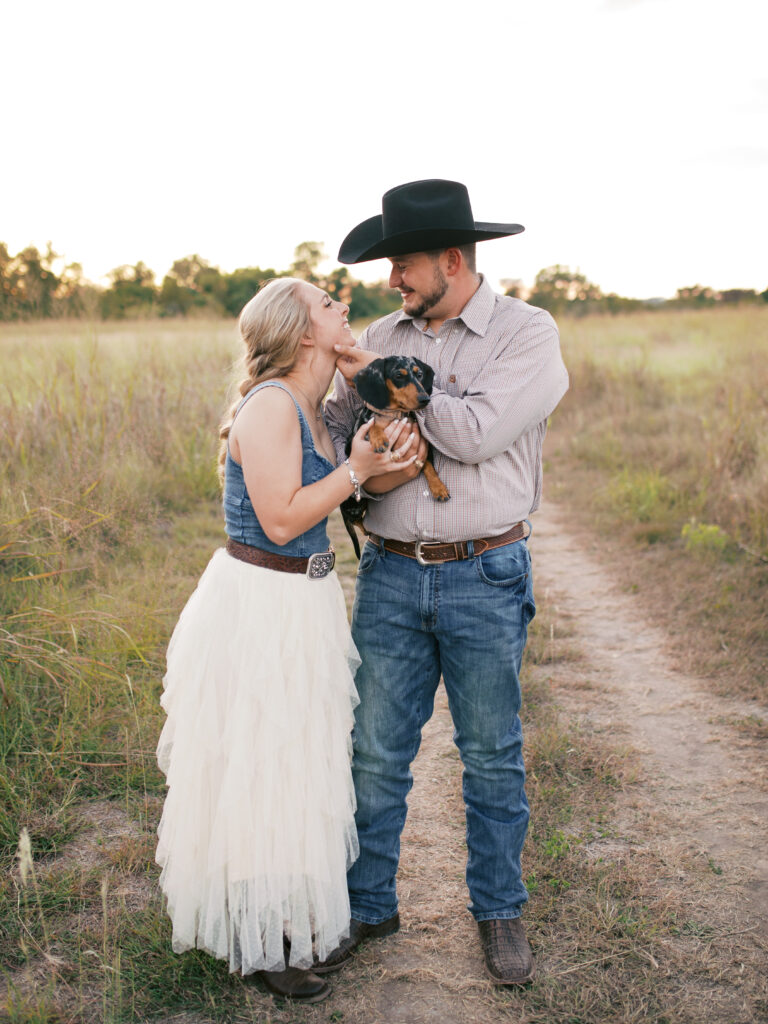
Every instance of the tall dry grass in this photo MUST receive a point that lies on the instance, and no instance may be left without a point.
(108, 512)
(661, 447)
(106, 433)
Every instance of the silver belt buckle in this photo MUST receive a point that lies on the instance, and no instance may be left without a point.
(421, 560)
(320, 564)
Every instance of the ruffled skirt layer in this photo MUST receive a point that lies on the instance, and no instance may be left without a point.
(257, 830)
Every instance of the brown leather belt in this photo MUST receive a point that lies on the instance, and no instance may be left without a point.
(431, 554)
(315, 567)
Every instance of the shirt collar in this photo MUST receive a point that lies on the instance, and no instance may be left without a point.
(476, 314)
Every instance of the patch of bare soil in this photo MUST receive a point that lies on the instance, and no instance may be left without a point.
(705, 774)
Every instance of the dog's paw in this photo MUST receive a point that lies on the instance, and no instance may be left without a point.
(441, 494)
(378, 439)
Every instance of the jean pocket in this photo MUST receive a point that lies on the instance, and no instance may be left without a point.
(368, 558)
(507, 566)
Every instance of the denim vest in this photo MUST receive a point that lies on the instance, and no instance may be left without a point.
(240, 520)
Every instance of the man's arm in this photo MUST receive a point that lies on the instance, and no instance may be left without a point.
(508, 397)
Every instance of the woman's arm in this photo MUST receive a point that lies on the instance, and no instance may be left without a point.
(266, 441)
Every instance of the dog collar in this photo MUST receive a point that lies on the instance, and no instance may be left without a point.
(391, 414)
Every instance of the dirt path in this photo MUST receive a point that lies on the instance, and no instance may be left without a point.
(703, 772)
(701, 782)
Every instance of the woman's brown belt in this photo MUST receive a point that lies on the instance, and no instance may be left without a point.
(315, 567)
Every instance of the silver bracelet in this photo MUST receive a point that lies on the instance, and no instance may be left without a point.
(353, 480)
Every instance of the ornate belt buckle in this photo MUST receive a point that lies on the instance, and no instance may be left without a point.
(320, 564)
(420, 558)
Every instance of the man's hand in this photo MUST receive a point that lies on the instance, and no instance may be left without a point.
(398, 433)
(351, 360)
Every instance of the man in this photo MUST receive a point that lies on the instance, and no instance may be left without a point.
(445, 588)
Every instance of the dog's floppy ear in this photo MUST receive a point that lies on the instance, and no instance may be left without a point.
(427, 375)
(371, 385)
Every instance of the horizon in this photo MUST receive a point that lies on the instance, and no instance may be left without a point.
(326, 267)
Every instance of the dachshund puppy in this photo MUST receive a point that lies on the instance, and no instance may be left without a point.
(392, 388)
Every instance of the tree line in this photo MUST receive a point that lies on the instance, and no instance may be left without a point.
(563, 291)
(32, 288)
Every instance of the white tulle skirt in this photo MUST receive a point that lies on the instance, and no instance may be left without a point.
(257, 830)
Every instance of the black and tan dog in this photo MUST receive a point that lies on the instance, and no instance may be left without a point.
(392, 388)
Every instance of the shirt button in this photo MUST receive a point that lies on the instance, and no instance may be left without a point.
(425, 493)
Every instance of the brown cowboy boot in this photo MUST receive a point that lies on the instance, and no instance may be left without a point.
(296, 984)
(508, 957)
(359, 931)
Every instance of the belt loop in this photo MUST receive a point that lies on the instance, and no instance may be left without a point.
(375, 539)
(530, 529)
(470, 549)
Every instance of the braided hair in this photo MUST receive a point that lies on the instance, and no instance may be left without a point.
(271, 326)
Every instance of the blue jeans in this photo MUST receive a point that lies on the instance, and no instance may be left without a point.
(467, 621)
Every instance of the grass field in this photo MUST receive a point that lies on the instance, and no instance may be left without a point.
(661, 449)
(108, 513)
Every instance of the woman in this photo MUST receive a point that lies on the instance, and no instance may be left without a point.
(258, 830)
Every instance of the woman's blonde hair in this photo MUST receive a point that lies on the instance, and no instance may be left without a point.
(271, 325)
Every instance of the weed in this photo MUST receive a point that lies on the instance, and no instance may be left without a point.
(642, 496)
(704, 537)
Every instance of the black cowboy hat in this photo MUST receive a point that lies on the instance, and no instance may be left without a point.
(418, 217)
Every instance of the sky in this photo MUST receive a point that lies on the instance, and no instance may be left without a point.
(630, 137)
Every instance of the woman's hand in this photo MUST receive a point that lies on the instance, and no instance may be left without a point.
(367, 463)
(351, 359)
(420, 446)
(409, 470)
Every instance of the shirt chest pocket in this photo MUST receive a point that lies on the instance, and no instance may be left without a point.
(452, 385)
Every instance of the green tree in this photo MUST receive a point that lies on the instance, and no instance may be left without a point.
(76, 296)
(132, 292)
(732, 296)
(559, 289)
(242, 285)
(369, 301)
(339, 285)
(35, 281)
(9, 285)
(307, 257)
(695, 296)
(193, 284)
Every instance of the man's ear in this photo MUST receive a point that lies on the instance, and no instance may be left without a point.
(371, 385)
(452, 261)
(427, 375)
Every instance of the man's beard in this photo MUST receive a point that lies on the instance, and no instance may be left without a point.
(431, 299)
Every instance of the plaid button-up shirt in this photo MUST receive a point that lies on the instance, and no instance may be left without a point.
(498, 376)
